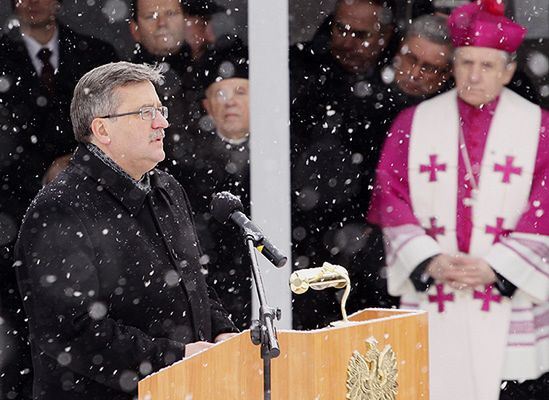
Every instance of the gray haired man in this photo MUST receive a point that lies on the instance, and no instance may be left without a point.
(108, 261)
(423, 65)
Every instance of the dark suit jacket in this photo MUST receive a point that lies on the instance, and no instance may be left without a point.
(112, 281)
(39, 122)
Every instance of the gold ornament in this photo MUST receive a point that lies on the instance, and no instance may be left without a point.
(372, 376)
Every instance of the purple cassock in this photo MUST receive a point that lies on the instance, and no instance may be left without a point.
(427, 204)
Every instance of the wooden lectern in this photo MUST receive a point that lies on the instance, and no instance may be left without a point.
(312, 364)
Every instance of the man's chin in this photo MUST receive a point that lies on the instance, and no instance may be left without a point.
(158, 146)
(39, 22)
(410, 89)
(164, 50)
(160, 156)
(350, 64)
(354, 67)
(475, 98)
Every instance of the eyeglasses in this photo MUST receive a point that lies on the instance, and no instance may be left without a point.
(224, 95)
(362, 35)
(146, 113)
(411, 60)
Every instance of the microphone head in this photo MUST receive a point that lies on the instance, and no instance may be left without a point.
(223, 205)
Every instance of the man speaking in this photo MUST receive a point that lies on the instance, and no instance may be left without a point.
(108, 260)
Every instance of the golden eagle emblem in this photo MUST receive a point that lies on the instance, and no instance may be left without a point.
(372, 376)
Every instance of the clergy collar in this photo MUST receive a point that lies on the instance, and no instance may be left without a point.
(469, 109)
(483, 107)
(234, 142)
(125, 189)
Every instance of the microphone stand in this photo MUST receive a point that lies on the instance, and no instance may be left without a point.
(262, 331)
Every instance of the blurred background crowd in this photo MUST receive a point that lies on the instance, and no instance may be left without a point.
(354, 65)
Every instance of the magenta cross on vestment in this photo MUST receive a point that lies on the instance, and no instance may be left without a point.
(440, 297)
(497, 230)
(434, 230)
(432, 168)
(508, 169)
(487, 296)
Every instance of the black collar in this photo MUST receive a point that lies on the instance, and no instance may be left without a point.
(122, 188)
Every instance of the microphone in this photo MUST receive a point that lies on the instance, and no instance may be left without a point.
(226, 206)
(328, 275)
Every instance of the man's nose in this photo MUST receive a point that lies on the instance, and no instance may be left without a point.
(160, 121)
(161, 19)
(230, 100)
(475, 73)
(416, 71)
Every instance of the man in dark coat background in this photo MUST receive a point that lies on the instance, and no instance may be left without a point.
(176, 35)
(422, 66)
(34, 110)
(108, 259)
(213, 156)
(158, 29)
(338, 125)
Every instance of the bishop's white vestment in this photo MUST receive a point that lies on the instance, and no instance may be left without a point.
(487, 195)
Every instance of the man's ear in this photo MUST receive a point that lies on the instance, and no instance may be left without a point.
(134, 30)
(510, 71)
(100, 131)
(206, 105)
(209, 33)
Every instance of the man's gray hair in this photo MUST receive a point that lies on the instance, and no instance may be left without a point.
(434, 28)
(95, 95)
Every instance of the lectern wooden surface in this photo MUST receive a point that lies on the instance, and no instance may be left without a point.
(312, 364)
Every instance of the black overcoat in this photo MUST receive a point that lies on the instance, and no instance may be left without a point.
(111, 280)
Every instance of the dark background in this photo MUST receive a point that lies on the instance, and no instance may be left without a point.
(108, 20)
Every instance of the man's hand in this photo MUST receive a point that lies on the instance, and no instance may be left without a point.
(461, 271)
(224, 336)
(471, 272)
(196, 347)
(441, 267)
